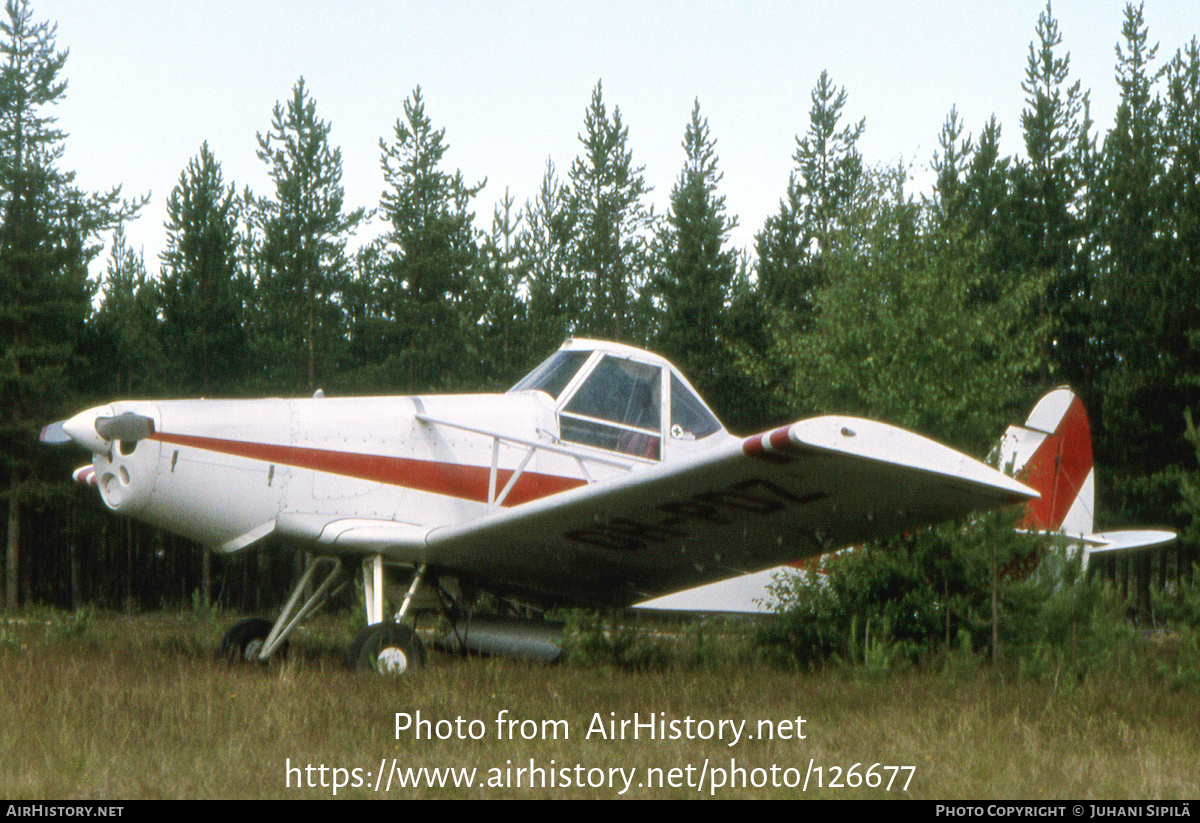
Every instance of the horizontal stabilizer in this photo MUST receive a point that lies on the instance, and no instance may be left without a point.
(1128, 540)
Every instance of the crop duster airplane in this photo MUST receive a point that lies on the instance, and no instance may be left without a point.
(601, 479)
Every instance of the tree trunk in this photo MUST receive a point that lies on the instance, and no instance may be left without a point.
(13, 554)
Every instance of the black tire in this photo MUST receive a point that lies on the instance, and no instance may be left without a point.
(244, 640)
(387, 648)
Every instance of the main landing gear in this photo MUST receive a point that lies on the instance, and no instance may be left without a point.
(387, 646)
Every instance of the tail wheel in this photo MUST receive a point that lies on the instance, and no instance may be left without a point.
(388, 648)
(245, 639)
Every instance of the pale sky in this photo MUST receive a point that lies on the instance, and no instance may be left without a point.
(149, 81)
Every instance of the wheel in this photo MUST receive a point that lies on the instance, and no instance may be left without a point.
(245, 640)
(388, 648)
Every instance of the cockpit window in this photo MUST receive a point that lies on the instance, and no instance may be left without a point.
(618, 407)
(553, 375)
(621, 391)
(690, 420)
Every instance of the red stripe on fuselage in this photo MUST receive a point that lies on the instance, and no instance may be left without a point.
(1058, 469)
(464, 482)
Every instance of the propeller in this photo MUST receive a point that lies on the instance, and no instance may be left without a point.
(97, 428)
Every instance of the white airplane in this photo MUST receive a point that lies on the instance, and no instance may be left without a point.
(601, 479)
(1052, 453)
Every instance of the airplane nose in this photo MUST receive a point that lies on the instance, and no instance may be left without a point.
(82, 429)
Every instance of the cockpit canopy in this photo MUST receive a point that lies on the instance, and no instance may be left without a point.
(612, 397)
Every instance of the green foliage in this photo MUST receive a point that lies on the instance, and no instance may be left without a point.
(901, 333)
(203, 331)
(48, 234)
(423, 298)
(901, 600)
(204, 608)
(643, 643)
(73, 626)
(125, 328)
(303, 268)
(503, 327)
(1182, 669)
(696, 271)
(927, 600)
(1063, 629)
(611, 227)
(554, 300)
(595, 639)
(1147, 207)
(816, 218)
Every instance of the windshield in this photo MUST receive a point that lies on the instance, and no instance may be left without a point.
(618, 407)
(553, 375)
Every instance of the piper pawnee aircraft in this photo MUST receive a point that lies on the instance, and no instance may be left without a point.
(601, 479)
(1052, 452)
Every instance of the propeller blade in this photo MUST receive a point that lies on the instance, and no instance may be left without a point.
(55, 434)
(128, 427)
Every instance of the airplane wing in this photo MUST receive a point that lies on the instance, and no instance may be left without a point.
(797, 491)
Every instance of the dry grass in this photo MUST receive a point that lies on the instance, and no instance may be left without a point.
(139, 708)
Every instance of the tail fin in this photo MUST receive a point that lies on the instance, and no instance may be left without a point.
(1053, 452)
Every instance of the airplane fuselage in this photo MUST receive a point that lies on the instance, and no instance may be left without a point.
(227, 472)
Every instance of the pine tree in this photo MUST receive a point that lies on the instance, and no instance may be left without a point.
(899, 334)
(696, 269)
(305, 229)
(814, 220)
(126, 326)
(502, 322)
(48, 231)
(1146, 285)
(1047, 210)
(950, 165)
(202, 307)
(427, 286)
(611, 224)
(555, 303)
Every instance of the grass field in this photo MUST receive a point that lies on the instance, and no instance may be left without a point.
(116, 707)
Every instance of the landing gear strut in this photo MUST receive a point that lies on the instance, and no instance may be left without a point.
(388, 647)
(256, 638)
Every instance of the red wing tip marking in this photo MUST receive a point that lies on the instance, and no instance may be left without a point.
(775, 445)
